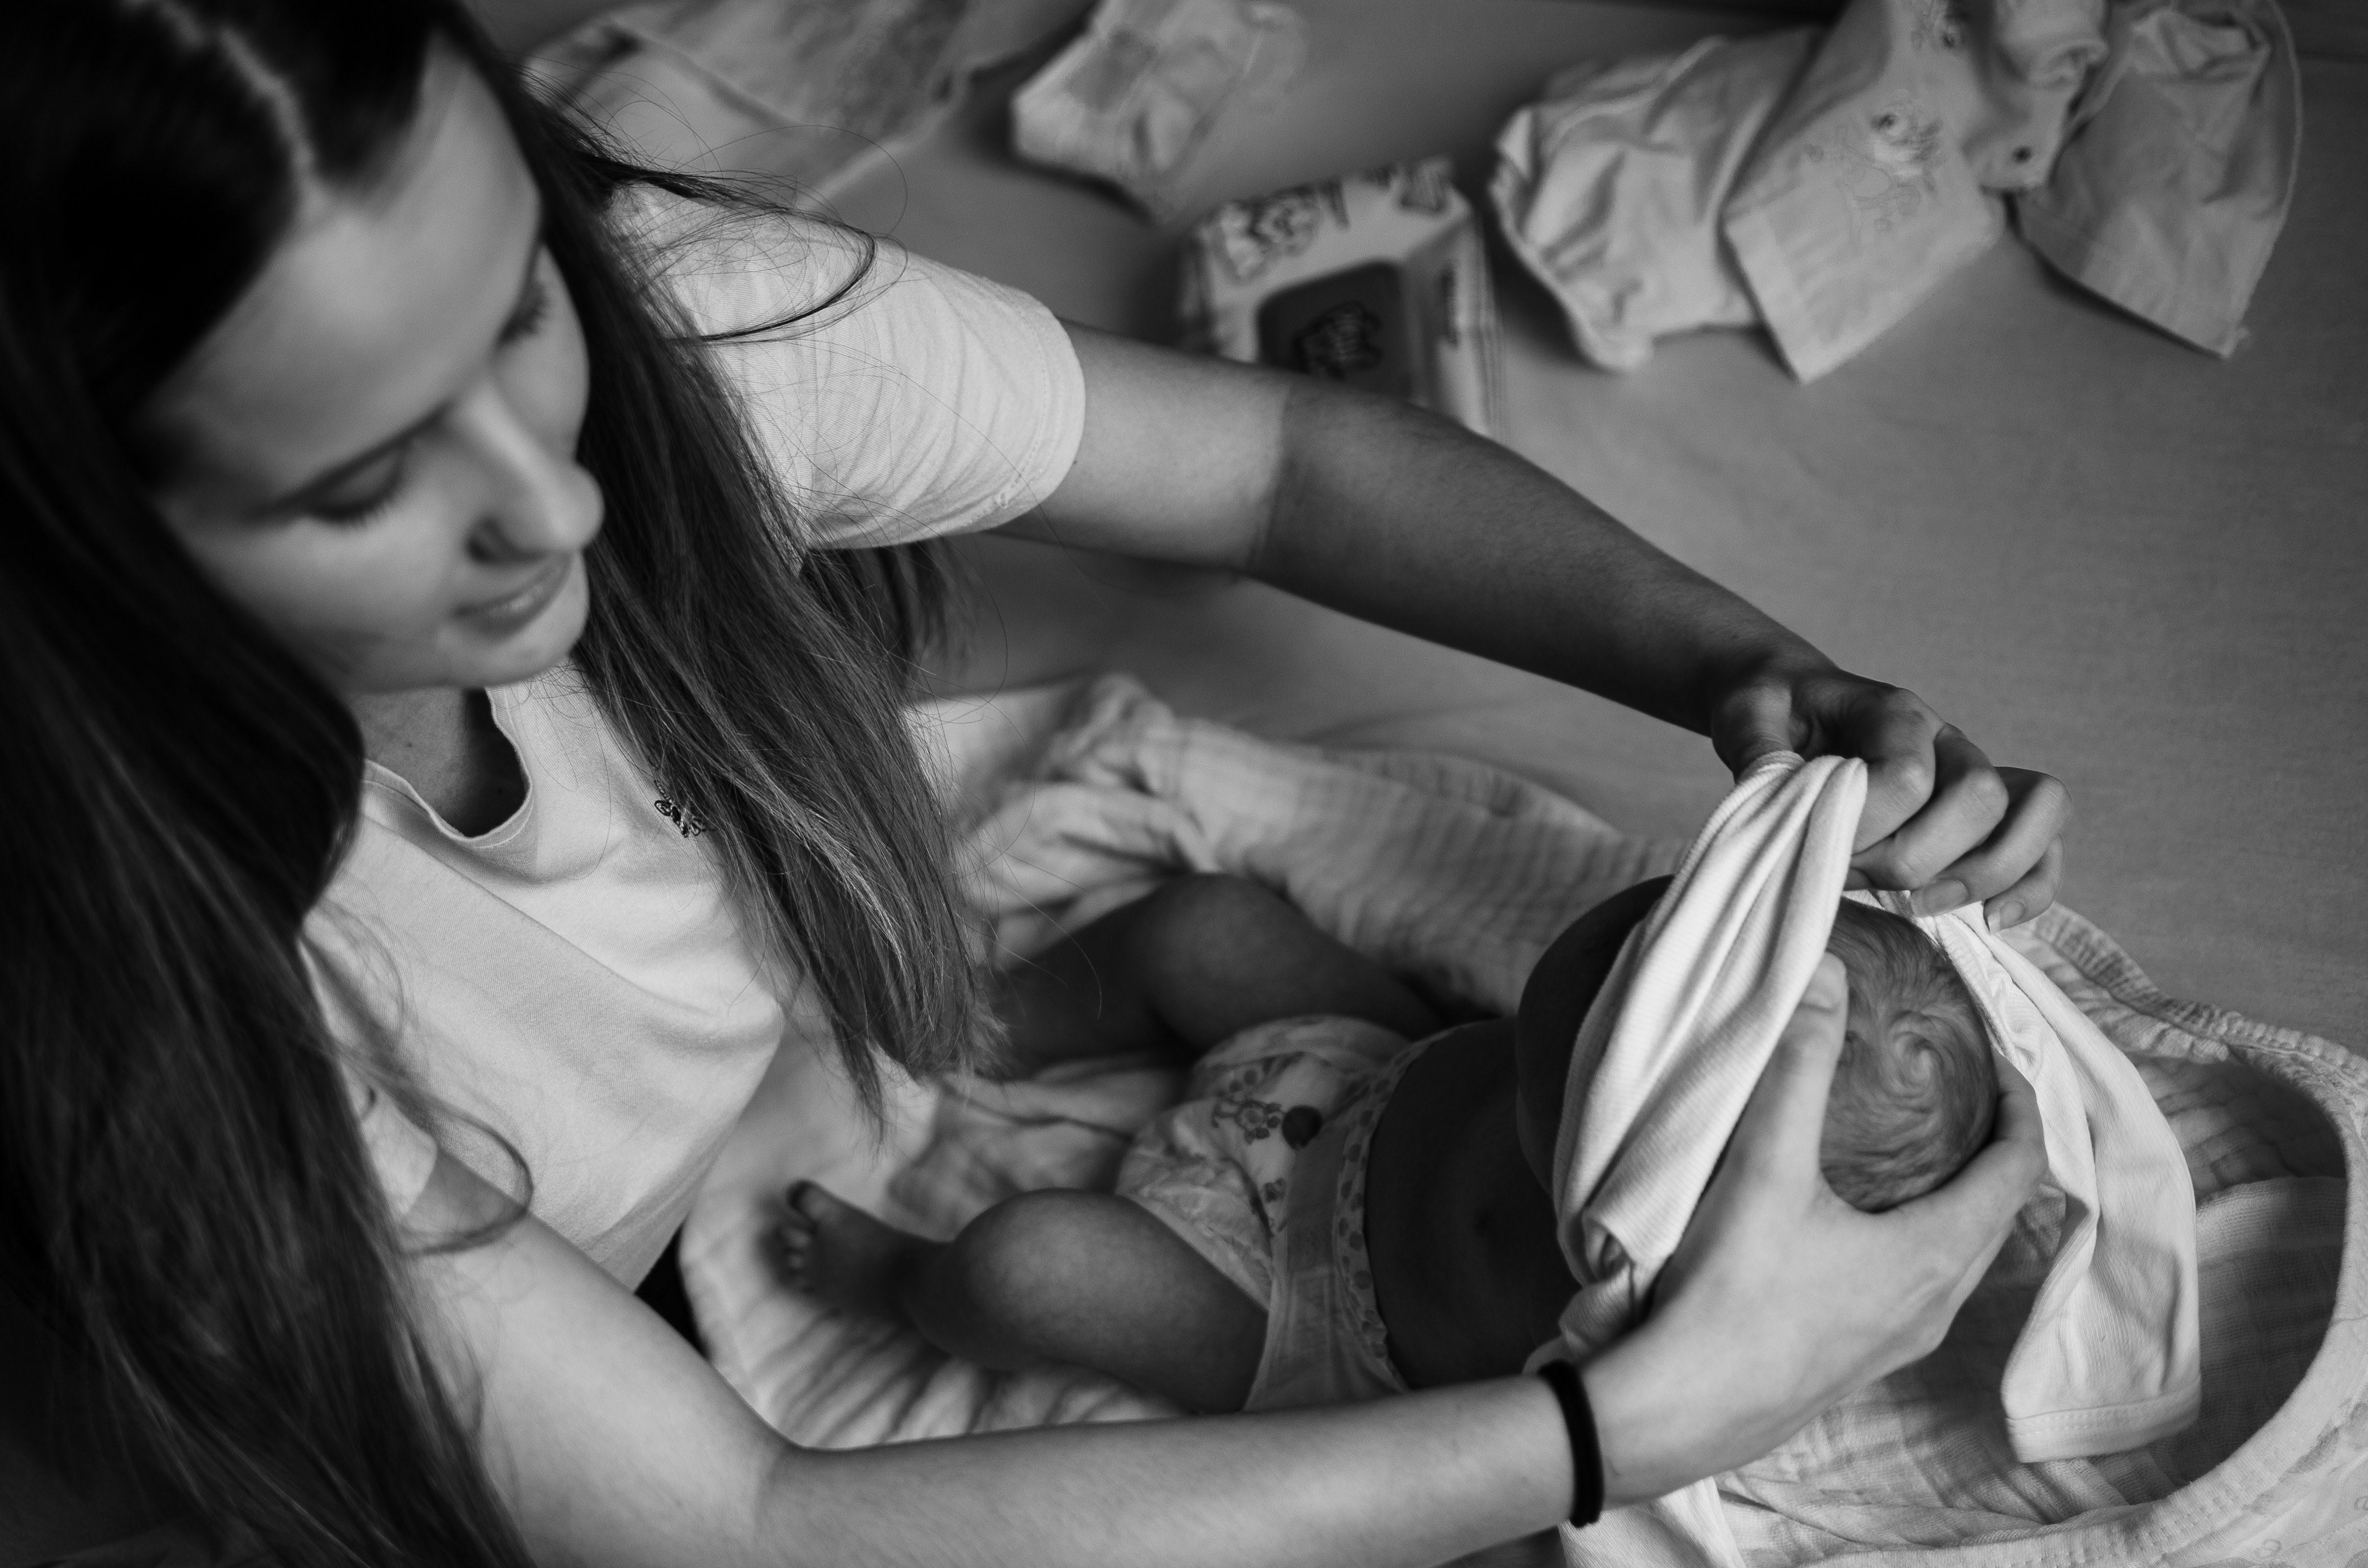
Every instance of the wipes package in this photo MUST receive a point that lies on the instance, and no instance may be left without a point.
(1377, 280)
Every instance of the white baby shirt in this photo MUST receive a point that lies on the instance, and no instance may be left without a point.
(574, 980)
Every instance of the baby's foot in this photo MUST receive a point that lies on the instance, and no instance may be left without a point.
(852, 1261)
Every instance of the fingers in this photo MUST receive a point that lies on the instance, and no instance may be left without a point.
(2022, 855)
(2020, 1132)
(1785, 1123)
(1962, 1225)
(1756, 722)
(1899, 738)
(1938, 819)
(1968, 803)
(2041, 809)
(2033, 895)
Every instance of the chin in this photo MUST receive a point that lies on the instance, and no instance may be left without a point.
(552, 635)
(538, 646)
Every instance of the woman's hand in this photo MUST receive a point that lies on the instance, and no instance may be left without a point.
(1939, 818)
(1782, 1298)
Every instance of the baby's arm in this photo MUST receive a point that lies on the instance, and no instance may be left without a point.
(1086, 1279)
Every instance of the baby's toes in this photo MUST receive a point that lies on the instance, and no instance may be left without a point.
(793, 1235)
(814, 1205)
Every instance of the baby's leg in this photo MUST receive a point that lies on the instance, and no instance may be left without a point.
(1219, 954)
(1188, 967)
(1083, 1278)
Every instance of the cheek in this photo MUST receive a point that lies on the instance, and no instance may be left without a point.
(354, 604)
(548, 378)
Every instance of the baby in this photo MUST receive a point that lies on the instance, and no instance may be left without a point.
(1334, 1213)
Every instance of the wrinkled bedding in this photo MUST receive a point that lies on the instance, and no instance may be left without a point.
(1075, 795)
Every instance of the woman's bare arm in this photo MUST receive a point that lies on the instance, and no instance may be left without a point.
(615, 1444)
(1377, 508)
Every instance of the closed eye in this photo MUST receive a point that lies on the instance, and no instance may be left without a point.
(381, 483)
(533, 309)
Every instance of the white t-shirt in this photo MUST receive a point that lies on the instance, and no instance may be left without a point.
(574, 980)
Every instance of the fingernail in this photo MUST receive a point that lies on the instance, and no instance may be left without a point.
(2005, 912)
(1940, 897)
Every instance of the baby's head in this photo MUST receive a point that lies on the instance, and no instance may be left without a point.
(1912, 1099)
(1914, 1096)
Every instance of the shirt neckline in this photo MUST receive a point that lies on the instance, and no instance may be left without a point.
(499, 701)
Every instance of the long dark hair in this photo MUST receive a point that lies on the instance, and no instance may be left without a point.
(182, 1191)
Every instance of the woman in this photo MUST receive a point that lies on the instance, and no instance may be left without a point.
(446, 759)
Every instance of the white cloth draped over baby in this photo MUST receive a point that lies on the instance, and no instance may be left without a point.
(1668, 1055)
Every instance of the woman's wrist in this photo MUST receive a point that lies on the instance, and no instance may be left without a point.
(1751, 705)
(1586, 1450)
(1659, 1424)
(1747, 678)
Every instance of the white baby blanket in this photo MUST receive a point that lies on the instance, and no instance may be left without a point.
(1610, 187)
(2109, 1357)
(1438, 869)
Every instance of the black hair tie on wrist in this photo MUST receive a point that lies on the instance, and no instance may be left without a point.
(1585, 1451)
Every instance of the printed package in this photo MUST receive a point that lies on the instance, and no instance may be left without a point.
(1377, 280)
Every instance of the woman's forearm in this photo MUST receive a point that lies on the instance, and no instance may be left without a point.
(1401, 517)
(1415, 1481)
(1377, 508)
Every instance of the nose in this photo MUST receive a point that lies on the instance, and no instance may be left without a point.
(539, 500)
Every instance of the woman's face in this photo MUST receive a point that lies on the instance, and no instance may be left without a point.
(374, 451)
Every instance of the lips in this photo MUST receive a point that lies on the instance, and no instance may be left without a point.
(505, 615)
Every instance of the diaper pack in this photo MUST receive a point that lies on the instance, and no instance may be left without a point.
(1377, 280)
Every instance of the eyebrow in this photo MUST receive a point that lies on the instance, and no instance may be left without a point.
(303, 497)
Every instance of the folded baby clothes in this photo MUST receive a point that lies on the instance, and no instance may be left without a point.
(807, 93)
(2174, 185)
(1132, 100)
(1611, 188)
(2108, 1356)
(1821, 182)
(1872, 183)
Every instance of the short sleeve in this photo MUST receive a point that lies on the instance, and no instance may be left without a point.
(895, 399)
